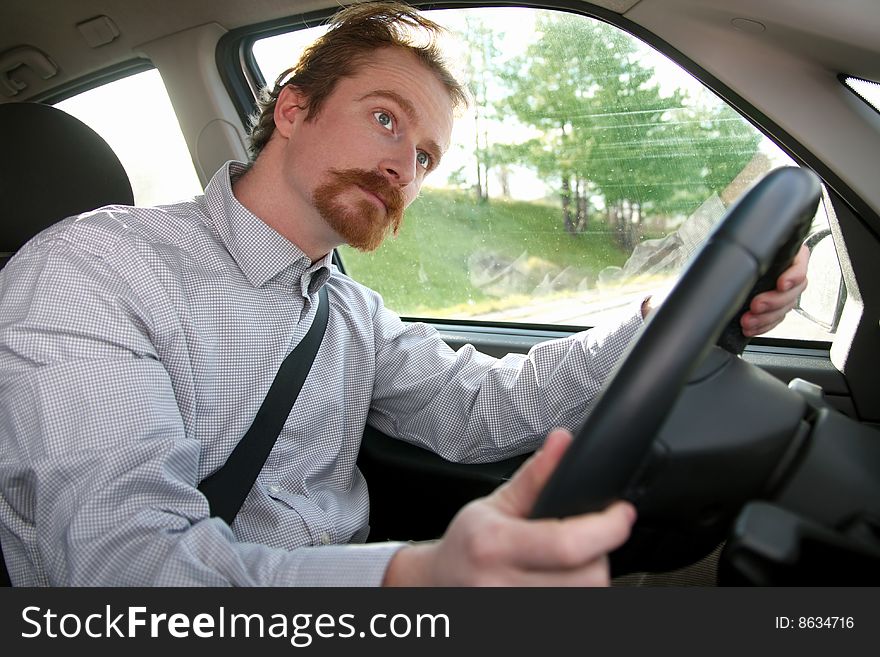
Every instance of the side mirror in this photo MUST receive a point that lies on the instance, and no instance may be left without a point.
(822, 301)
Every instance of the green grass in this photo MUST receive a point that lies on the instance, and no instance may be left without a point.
(437, 264)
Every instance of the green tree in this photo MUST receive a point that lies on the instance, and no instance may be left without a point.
(481, 53)
(552, 88)
(608, 131)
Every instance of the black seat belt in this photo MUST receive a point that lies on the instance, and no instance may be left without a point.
(227, 487)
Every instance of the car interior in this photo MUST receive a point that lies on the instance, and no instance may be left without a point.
(752, 464)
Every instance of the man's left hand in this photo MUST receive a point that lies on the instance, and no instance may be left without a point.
(769, 308)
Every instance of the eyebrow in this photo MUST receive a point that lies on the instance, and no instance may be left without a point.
(411, 113)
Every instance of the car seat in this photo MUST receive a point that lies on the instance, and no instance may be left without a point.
(54, 166)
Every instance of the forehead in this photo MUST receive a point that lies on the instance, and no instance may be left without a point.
(425, 98)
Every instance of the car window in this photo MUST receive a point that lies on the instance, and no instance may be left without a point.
(867, 90)
(135, 117)
(586, 172)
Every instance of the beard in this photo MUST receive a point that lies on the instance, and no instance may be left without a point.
(363, 225)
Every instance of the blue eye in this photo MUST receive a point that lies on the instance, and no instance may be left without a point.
(423, 159)
(384, 119)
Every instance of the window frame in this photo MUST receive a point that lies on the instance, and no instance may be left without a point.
(238, 70)
(94, 80)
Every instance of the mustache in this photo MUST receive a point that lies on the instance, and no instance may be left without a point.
(375, 183)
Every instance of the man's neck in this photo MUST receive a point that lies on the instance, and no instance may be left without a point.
(263, 192)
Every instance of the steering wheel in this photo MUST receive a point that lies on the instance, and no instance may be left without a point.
(754, 242)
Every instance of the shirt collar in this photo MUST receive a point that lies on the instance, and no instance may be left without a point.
(261, 252)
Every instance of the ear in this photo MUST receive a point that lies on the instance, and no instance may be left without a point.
(289, 110)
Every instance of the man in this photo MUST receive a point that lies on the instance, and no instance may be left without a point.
(137, 344)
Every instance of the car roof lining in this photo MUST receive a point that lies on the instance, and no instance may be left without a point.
(50, 26)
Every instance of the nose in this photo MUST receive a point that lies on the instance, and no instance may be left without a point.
(399, 167)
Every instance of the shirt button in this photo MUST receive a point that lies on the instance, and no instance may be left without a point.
(274, 489)
(325, 538)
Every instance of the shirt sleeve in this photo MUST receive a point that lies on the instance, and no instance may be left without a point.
(98, 474)
(471, 408)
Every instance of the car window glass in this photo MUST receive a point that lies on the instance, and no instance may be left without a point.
(135, 117)
(585, 173)
(867, 90)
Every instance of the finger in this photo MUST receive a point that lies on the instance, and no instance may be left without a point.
(769, 311)
(762, 328)
(774, 299)
(517, 496)
(796, 272)
(753, 325)
(568, 544)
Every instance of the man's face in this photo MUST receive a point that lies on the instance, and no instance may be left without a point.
(362, 160)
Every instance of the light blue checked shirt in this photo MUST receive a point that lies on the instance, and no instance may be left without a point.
(136, 345)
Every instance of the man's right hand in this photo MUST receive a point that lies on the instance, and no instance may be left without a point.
(491, 542)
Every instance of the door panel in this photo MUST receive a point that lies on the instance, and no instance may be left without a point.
(414, 493)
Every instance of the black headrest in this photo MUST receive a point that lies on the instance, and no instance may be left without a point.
(53, 166)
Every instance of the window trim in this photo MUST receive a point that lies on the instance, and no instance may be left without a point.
(238, 66)
(95, 80)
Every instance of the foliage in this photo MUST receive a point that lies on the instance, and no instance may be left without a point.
(606, 131)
